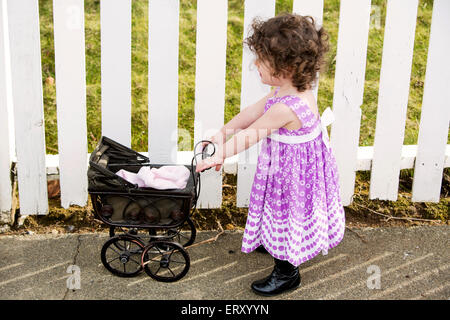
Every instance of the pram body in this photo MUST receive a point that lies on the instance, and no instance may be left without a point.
(163, 215)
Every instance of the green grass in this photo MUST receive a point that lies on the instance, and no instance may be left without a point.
(186, 97)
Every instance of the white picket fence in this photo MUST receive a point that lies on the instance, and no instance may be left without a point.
(22, 138)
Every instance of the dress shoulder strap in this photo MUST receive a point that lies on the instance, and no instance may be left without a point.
(301, 109)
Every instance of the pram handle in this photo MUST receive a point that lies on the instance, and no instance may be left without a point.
(205, 154)
(196, 175)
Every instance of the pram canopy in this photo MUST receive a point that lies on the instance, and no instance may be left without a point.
(110, 156)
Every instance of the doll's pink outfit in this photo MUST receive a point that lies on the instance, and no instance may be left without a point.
(165, 177)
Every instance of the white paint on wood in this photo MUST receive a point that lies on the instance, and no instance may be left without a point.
(309, 8)
(447, 157)
(7, 66)
(364, 158)
(252, 90)
(163, 80)
(71, 100)
(435, 114)
(211, 48)
(23, 23)
(407, 159)
(348, 90)
(315, 10)
(5, 158)
(393, 94)
(408, 156)
(115, 25)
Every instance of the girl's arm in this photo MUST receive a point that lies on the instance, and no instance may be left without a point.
(276, 117)
(244, 118)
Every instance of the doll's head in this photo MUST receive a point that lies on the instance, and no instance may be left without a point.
(289, 46)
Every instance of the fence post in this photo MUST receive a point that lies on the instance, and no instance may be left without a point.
(351, 55)
(70, 71)
(211, 46)
(163, 17)
(435, 115)
(395, 74)
(5, 157)
(26, 75)
(115, 29)
(251, 91)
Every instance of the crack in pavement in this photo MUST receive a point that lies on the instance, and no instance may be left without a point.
(362, 238)
(77, 251)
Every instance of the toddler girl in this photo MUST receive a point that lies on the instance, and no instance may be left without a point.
(295, 211)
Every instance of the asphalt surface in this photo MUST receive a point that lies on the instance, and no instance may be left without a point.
(372, 263)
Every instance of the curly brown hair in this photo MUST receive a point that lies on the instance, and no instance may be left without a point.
(292, 46)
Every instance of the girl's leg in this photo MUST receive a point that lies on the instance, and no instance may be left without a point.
(284, 277)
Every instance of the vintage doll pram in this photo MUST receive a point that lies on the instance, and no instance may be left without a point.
(149, 228)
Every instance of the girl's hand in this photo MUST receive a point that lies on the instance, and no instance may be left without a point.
(216, 160)
(219, 139)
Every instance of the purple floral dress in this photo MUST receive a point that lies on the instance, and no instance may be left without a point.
(295, 209)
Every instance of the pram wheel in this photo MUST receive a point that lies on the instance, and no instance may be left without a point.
(122, 255)
(165, 261)
(184, 235)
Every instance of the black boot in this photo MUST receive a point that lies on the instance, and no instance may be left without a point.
(284, 277)
(261, 249)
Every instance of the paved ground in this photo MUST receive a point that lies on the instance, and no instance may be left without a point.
(413, 263)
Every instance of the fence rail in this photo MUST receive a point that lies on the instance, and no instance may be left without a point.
(22, 138)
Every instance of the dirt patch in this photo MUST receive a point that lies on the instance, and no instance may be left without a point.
(363, 212)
